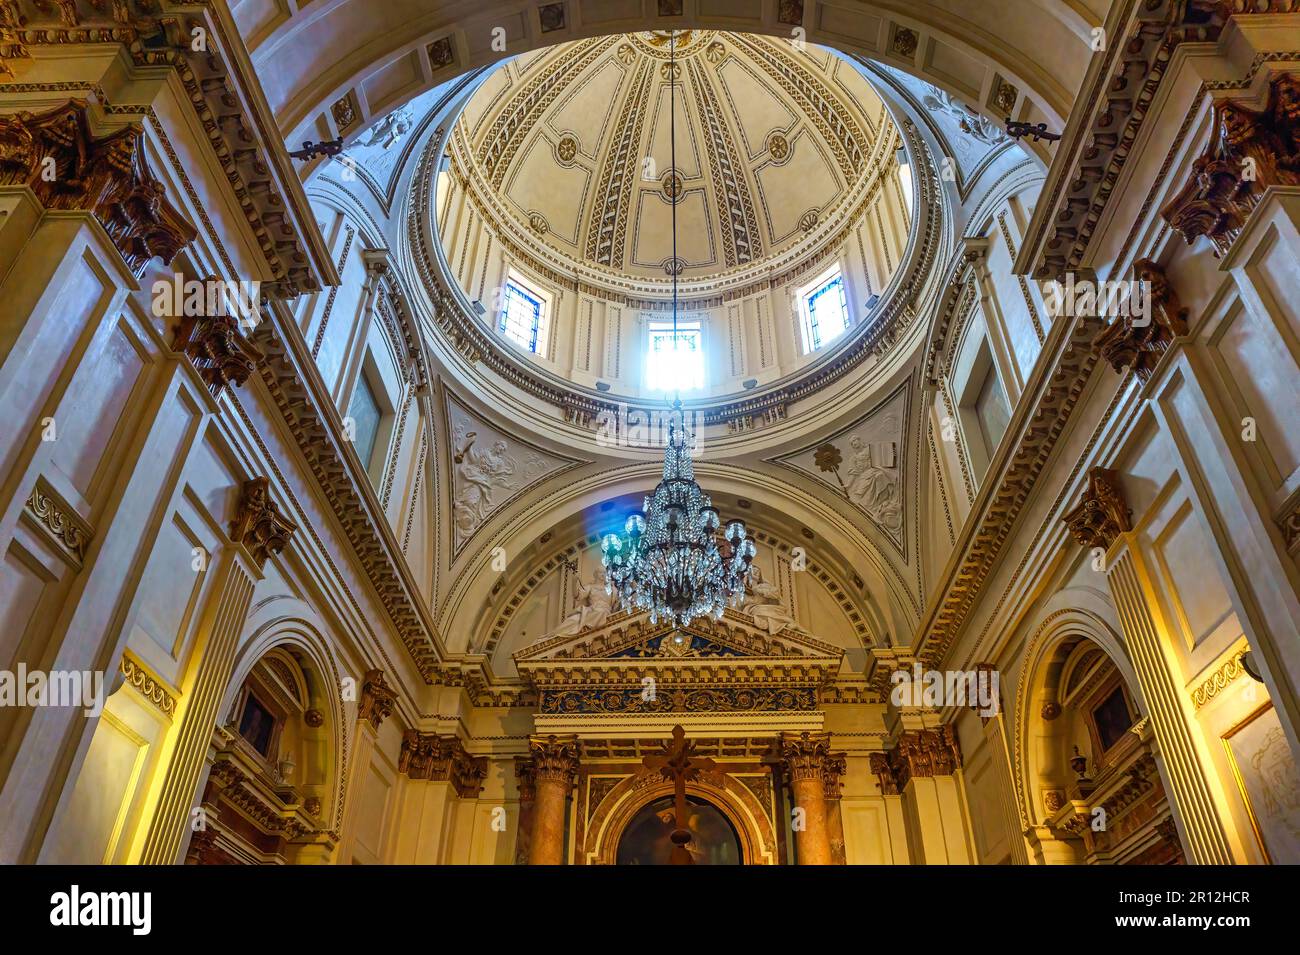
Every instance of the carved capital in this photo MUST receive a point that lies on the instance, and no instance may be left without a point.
(1125, 344)
(555, 758)
(1103, 514)
(258, 523)
(1249, 150)
(836, 766)
(919, 754)
(222, 356)
(67, 167)
(805, 755)
(442, 759)
(377, 698)
(526, 778)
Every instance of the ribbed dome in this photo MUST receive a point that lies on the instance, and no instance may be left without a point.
(568, 152)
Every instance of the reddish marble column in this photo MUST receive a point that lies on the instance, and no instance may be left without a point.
(555, 764)
(804, 756)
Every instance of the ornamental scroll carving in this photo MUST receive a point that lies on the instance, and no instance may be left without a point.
(806, 755)
(67, 167)
(1103, 514)
(1125, 344)
(1249, 150)
(258, 523)
(442, 759)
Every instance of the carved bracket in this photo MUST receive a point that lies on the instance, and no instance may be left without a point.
(1103, 514)
(258, 523)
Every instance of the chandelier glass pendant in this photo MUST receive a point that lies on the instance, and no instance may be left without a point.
(672, 563)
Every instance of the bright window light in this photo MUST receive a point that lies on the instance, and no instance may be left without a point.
(825, 312)
(905, 184)
(522, 318)
(675, 366)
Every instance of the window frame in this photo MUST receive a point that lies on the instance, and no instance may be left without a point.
(541, 329)
(810, 339)
(655, 324)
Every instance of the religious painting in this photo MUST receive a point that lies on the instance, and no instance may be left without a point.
(256, 724)
(646, 840)
(1269, 783)
(1112, 718)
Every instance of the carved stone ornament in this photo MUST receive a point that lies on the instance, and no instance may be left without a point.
(221, 355)
(555, 758)
(526, 778)
(1103, 514)
(1249, 150)
(442, 759)
(919, 754)
(1126, 345)
(258, 523)
(57, 156)
(837, 764)
(806, 755)
(377, 698)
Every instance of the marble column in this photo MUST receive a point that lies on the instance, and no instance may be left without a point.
(526, 779)
(555, 765)
(836, 766)
(804, 756)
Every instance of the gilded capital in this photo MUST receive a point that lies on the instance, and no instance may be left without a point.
(917, 754)
(805, 755)
(1127, 344)
(442, 759)
(1103, 514)
(377, 698)
(555, 758)
(258, 523)
(526, 778)
(835, 767)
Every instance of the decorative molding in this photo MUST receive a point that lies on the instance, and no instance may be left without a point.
(54, 515)
(554, 759)
(1249, 150)
(150, 687)
(1103, 514)
(57, 156)
(806, 756)
(442, 759)
(258, 523)
(918, 754)
(1219, 680)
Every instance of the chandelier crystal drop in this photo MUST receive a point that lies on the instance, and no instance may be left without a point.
(672, 562)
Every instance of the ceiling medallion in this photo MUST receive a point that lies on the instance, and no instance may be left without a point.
(566, 150)
(778, 147)
(672, 186)
(673, 564)
(537, 224)
(672, 44)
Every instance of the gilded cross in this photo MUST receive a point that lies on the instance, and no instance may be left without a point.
(677, 764)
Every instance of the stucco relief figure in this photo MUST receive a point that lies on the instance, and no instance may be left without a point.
(593, 607)
(390, 130)
(479, 474)
(873, 481)
(763, 604)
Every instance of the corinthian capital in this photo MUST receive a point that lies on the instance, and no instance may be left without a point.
(805, 755)
(258, 523)
(555, 758)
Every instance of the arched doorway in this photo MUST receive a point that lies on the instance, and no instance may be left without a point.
(645, 840)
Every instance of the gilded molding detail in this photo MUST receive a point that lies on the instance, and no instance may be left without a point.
(837, 764)
(68, 529)
(442, 759)
(526, 778)
(884, 774)
(1124, 344)
(258, 523)
(106, 176)
(1103, 514)
(150, 688)
(1249, 150)
(221, 355)
(377, 698)
(555, 759)
(1219, 680)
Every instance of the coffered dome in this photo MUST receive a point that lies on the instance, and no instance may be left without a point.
(567, 152)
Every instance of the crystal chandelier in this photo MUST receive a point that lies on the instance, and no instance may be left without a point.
(672, 562)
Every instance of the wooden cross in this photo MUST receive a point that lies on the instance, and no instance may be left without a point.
(677, 764)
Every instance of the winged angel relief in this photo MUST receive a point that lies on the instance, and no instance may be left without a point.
(482, 477)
